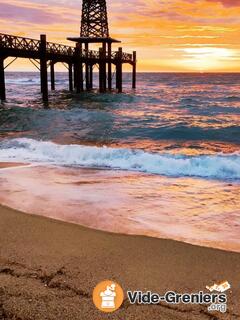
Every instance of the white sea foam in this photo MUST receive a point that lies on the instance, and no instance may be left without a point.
(23, 80)
(217, 166)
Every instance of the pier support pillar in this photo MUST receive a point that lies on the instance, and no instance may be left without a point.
(119, 71)
(52, 75)
(87, 76)
(70, 76)
(81, 76)
(90, 76)
(109, 66)
(74, 76)
(87, 67)
(78, 71)
(134, 70)
(2, 80)
(43, 67)
(102, 68)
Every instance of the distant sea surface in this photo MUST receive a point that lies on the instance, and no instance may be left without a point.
(162, 161)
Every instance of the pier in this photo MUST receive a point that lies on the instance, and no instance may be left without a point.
(78, 59)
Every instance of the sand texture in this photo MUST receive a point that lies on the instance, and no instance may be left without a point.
(48, 270)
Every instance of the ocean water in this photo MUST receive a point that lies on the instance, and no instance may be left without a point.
(162, 161)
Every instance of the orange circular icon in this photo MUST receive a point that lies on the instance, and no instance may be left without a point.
(108, 296)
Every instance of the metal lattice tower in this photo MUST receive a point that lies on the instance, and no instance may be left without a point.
(94, 22)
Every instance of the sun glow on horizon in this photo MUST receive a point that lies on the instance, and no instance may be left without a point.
(207, 58)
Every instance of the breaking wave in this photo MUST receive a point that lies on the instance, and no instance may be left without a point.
(218, 166)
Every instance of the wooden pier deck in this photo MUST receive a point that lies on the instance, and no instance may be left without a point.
(45, 54)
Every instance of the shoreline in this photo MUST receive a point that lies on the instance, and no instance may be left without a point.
(48, 269)
(112, 233)
(80, 195)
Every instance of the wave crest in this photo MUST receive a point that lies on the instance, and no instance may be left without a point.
(217, 166)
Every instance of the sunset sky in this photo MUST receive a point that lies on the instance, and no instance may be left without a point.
(169, 35)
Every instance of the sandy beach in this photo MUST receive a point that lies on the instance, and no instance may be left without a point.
(48, 270)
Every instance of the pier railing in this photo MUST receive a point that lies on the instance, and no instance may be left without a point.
(10, 42)
(18, 43)
(92, 54)
(61, 49)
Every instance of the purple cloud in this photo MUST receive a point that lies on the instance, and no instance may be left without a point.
(31, 15)
(228, 3)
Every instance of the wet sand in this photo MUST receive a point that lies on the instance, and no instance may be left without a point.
(11, 164)
(49, 268)
(183, 209)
